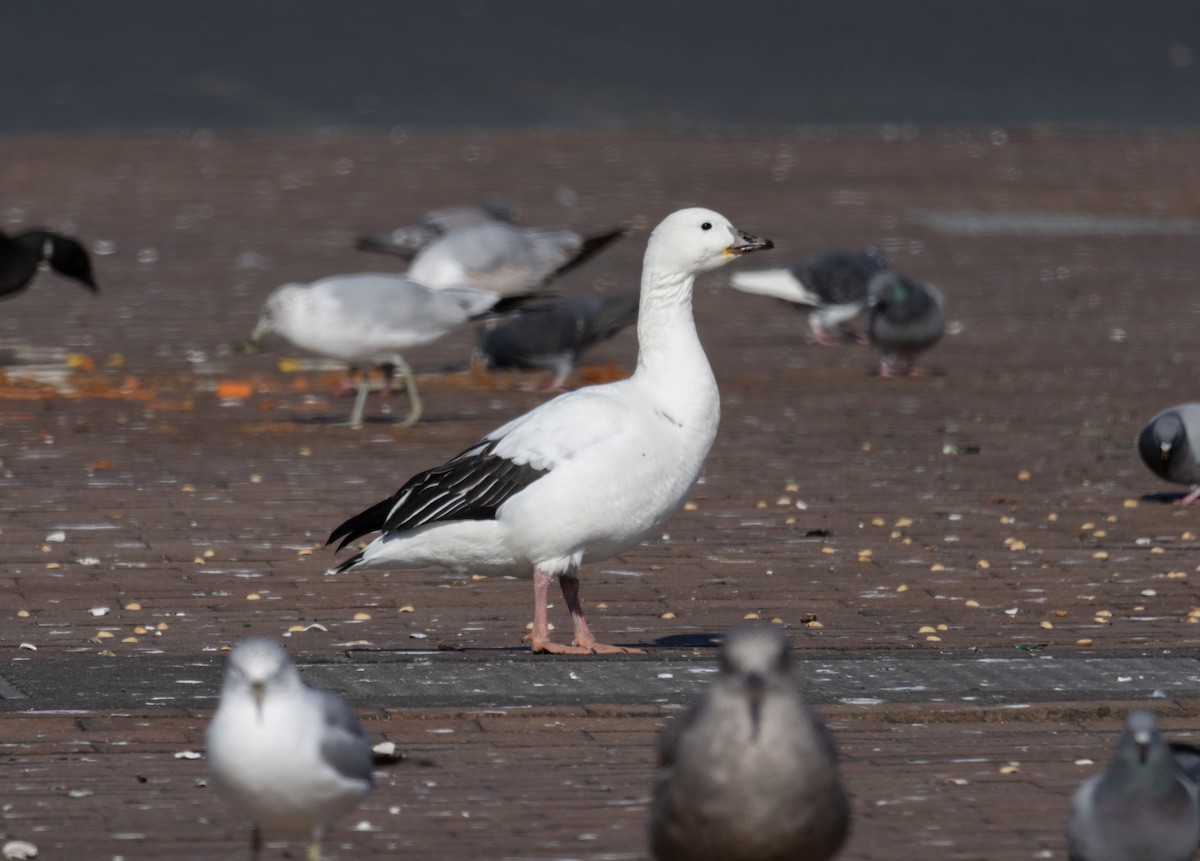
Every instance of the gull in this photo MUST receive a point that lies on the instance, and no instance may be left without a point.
(1165, 445)
(555, 333)
(833, 284)
(289, 757)
(749, 773)
(407, 241)
(1142, 808)
(368, 319)
(22, 255)
(907, 318)
(504, 258)
(586, 475)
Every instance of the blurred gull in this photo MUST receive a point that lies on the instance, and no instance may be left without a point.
(367, 319)
(555, 333)
(586, 475)
(1165, 445)
(502, 257)
(749, 773)
(289, 757)
(906, 319)
(407, 241)
(21, 257)
(1142, 808)
(834, 285)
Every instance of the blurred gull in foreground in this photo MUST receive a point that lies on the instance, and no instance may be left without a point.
(289, 757)
(554, 334)
(368, 319)
(906, 319)
(586, 475)
(834, 285)
(407, 241)
(749, 773)
(22, 255)
(1165, 445)
(1142, 808)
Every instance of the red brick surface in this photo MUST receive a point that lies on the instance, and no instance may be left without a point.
(1063, 346)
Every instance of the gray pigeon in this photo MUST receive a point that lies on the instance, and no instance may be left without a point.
(405, 242)
(749, 773)
(834, 285)
(1165, 446)
(907, 318)
(1141, 809)
(555, 333)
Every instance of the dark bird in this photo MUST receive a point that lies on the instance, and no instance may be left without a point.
(834, 285)
(552, 335)
(1165, 445)
(907, 318)
(749, 773)
(1143, 808)
(22, 255)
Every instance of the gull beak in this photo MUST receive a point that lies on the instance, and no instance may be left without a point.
(755, 685)
(747, 243)
(258, 690)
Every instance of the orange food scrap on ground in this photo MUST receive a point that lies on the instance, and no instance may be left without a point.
(102, 463)
(300, 384)
(80, 362)
(237, 390)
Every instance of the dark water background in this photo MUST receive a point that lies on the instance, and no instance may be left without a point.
(76, 65)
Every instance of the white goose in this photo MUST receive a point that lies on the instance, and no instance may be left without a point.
(586, 475)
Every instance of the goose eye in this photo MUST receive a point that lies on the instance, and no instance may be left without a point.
(706, 226)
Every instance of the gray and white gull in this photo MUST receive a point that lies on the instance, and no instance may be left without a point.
(584, 476)
(406, 241)
(288, 757)
(749, 773)
(833, 284)
(368, 319)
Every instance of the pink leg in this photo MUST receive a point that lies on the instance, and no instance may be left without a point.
(346, 385)
(539, 637)
(1190, 498)
(583, 634)
(885, 368)
(821, 338)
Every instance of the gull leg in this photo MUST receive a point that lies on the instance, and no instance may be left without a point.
(314, 846)
(414, 399)
(360, 401)
(583, 634)
(539, 637)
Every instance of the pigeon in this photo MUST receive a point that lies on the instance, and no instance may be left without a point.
(289, 757)
(749, 773)
(906, 319)
(586, 475)
(555, 333)
(1142, 808)
(1165, 447)
(833, 284)
(367, 319)
(22, 255)
(504, 258)
(405, 242)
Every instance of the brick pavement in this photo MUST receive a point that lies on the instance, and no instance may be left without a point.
(168, 500)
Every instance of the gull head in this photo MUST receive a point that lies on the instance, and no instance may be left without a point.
(696, 240)
(259, 667)
(754, 655)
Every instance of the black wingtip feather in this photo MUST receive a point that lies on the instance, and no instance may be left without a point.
(348, 563)
(361, 524)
